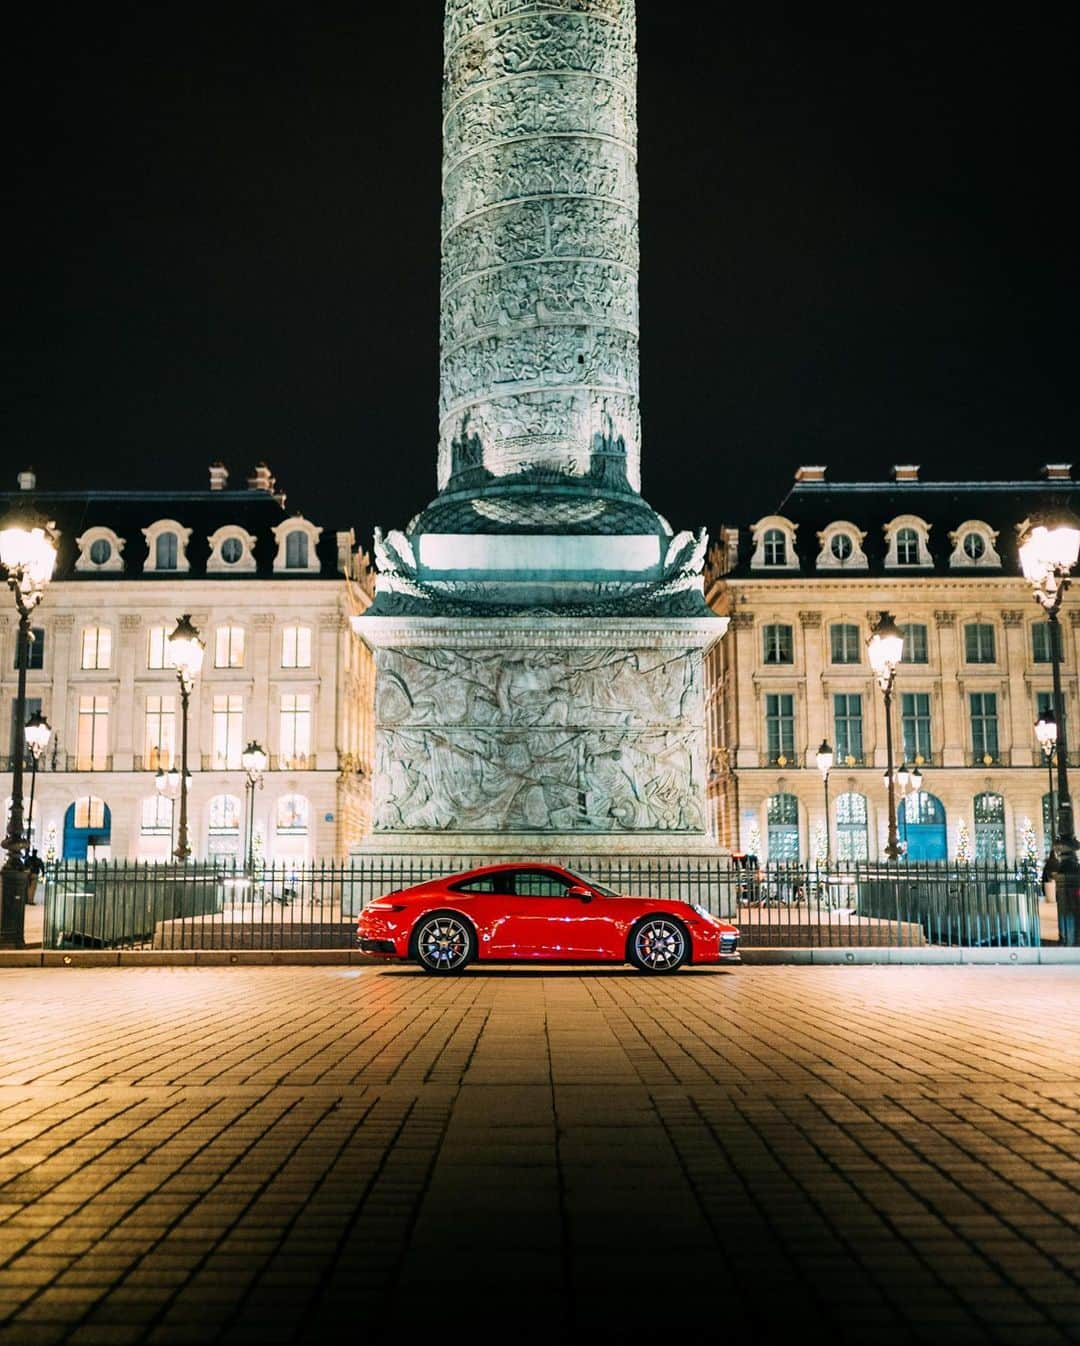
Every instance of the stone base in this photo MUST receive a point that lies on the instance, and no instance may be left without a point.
(560, 848)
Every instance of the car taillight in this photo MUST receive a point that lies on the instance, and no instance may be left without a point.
(383, 906)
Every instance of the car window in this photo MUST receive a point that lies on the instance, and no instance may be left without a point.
(540, 883)
(484, 885)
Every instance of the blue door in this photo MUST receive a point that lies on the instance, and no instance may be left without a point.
(922, 827)
(87, 825)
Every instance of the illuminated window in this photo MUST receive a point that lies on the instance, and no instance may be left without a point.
(852, 833)
(92, 736)
(96, 647)
(293, 813)
(296, 647)
(780, 728)
(775, 547)
(166, 551)
(228, 715)
(229, 647)
(160, 739)
(783, 815)
(224, 814)
(295, 737)
(35, 651)
(158, 650)
(990, 827)
(157, 816)
(90, 812)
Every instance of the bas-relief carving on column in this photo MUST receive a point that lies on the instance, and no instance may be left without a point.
(539, 740)
(539, 343)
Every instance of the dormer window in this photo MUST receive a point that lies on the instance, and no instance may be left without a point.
(100, 550)
(775, 548)
(973, 546)
(774, 545)
(907, 547)
(906, 540)
(841, 547)
(166, 547)
(297, 542)
(232, 550)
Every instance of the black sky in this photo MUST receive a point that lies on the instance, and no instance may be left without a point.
(857, 248)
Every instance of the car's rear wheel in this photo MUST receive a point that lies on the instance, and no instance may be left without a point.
(659, 944)
(443, 943)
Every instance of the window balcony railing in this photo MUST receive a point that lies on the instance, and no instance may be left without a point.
(988, 758)
(91, 762)
(782, 760)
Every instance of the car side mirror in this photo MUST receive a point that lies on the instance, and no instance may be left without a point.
(579, 890)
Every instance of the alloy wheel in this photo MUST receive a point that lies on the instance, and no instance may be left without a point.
(660, 946)
(444, 944)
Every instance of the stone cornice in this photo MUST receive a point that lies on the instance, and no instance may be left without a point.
(540, 633)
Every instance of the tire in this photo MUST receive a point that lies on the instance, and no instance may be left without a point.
(659, 944)
(443, 943)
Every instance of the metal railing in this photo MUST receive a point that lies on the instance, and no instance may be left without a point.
(221, 905)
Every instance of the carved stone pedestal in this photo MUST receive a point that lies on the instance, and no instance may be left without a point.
(544, 737)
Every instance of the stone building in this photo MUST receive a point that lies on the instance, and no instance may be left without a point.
(802, 589)
(272, 594)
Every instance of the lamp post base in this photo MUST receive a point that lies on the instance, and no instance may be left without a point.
(13, 886)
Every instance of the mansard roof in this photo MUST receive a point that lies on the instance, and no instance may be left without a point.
(127, 513)
(812, 505)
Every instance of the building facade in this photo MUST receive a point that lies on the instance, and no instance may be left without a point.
(802, 592)
(271, 594)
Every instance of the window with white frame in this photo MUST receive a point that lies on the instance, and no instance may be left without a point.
(973, 546)
(841, 547)
(907, 543)
(92, 734)
(774, 544)
(297, 539)
(228, 731)
(100, 549)
(295, 729)
(296, 646)
(229, 647)
(166, 547)
(96, 647)
(157, 816)
(907, 547)
(293, 814)
(775, 547)
(159, 741)
(158, 649)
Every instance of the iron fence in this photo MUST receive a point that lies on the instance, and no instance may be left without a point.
(223, 905)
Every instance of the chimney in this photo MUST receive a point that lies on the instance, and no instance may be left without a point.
(262, 479)
(346, 543)
(1058, 471)
(810, 474)
(219, 476)
(906, 472)
(27, 479)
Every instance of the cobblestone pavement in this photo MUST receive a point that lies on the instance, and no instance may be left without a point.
(318, 1154)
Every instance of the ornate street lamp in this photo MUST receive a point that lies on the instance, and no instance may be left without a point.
(37, 733)
(1046, 733)
(254, 761)
(187, 648)
(825, 759)
(1049, 544)
(27, 559)
(885, 649)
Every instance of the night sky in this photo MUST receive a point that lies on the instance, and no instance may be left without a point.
(857, 248)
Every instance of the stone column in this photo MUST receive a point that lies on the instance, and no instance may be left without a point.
(816, 715)
(539, 343)
(324, 736)
(262, 676)
(127, 730)
(63, 709)
(953, 718)
(748, 745)
(1016, 691)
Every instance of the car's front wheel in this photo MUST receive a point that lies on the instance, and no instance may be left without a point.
(443, 943)
(659, 944)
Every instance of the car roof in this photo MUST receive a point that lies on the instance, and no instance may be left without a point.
(502, 869)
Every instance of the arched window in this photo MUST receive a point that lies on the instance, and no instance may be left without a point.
(775, 547)
(296, 550)
(224, 814)
(157, 816)
(852, 832)
(922, 826)
(293, 813)
(990, 827)
(166, 552)
(87, 829)
(783, 818)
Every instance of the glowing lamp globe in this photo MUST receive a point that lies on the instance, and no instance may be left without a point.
(187, 648)
(38, 731)
(885, 648)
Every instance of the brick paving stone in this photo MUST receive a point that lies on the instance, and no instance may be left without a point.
(311, 1154)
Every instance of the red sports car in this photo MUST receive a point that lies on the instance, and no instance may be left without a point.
(539, 913)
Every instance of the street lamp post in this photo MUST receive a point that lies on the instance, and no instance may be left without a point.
(167, 784)
(1049, 545)
(824, 765)
(38, 731)
(1046, 733)
(254, 761)
(885, 648)
(187, 655)
(27, 558)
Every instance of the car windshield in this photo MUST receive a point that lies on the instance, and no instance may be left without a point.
(599, 888)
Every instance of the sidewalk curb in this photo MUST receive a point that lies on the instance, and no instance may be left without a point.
(765, 957)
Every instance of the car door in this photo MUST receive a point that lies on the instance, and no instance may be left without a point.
(544, 921)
